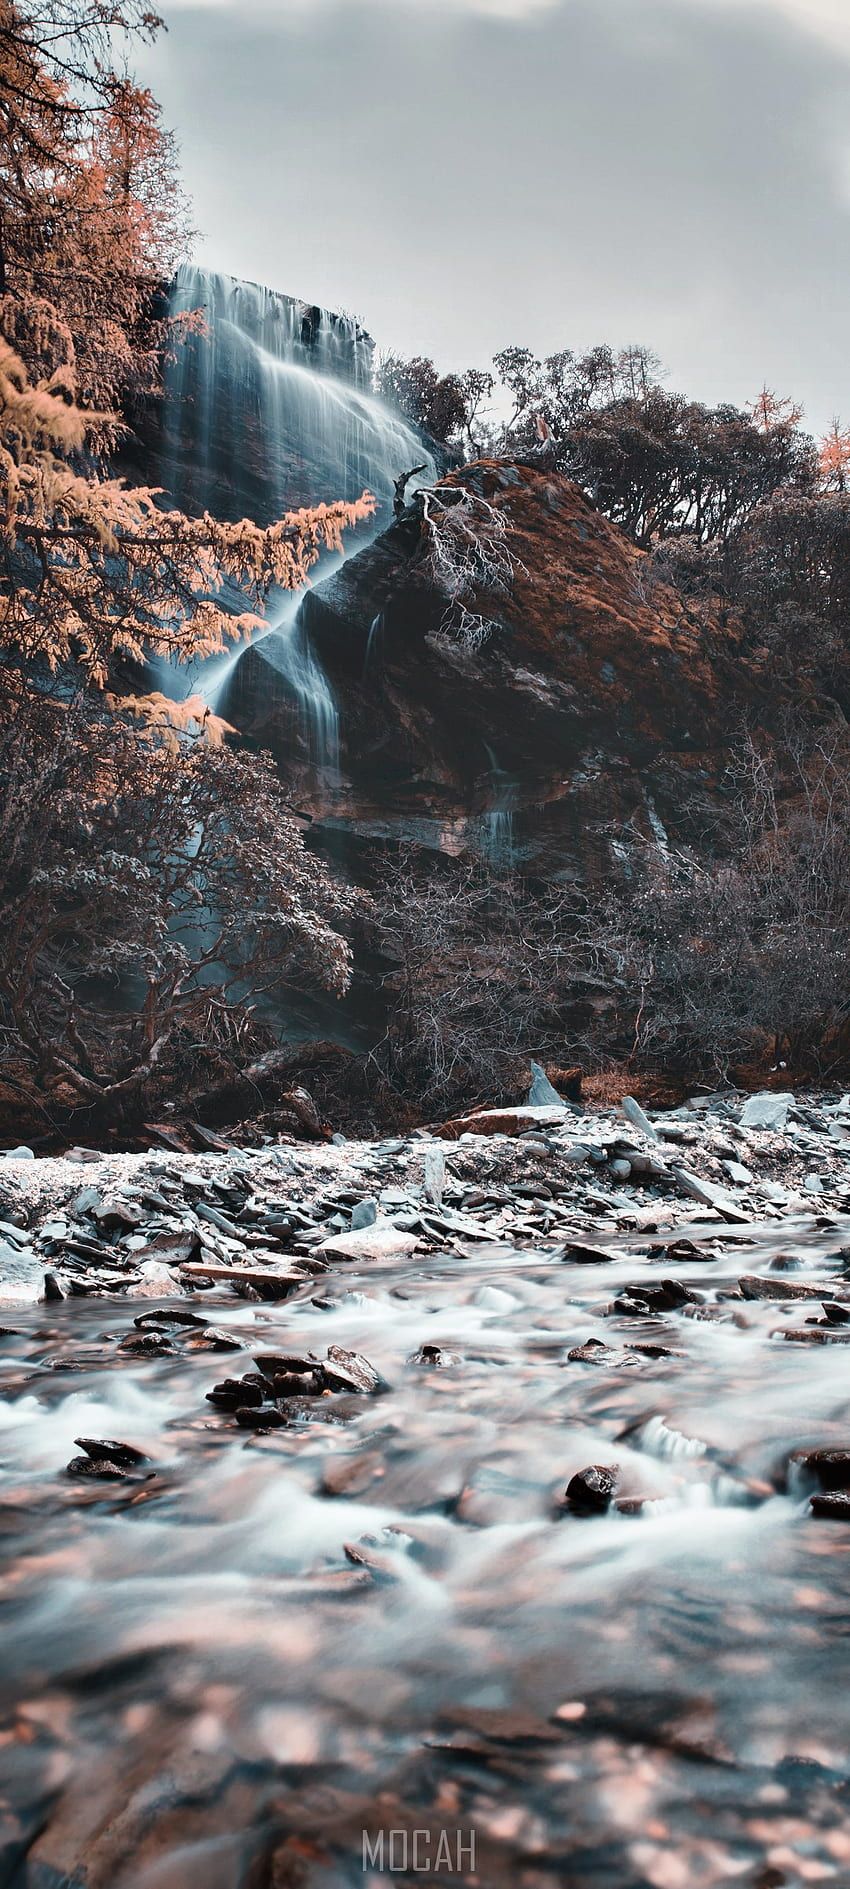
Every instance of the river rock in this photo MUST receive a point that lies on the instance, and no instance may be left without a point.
(753, 1286)
(831, 1508)
(592, 1490)
(831, 1468)
(348, 1371)
(107, 1450)
(382, 1240)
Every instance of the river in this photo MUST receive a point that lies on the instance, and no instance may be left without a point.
(223, 1669)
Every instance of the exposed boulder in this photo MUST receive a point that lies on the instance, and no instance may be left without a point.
(596, 698)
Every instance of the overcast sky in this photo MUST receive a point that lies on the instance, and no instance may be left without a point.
(466, 174)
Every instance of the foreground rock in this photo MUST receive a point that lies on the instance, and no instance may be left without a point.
(264, 1224)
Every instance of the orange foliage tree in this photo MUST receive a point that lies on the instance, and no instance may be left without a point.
(133, 847)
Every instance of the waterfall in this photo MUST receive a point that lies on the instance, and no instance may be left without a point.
(267, 409)
(274, 399)
(497, 823)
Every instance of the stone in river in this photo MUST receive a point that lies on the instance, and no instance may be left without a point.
(593, 1351)
(148, 1344)
(665, 1295)
(351, 1475)
(233, 1392)
(494, 1299)
(587, 1254)
(274, 1364)
(89, 1466)
(348, 1371)
(752, 1286)
(380, 1241)
(831, 1508)
(766, 1110)
(250, 1418)
(212, 1338)
(434, 1356)
(107, 1450)
(831, 1468)
(591, 1490)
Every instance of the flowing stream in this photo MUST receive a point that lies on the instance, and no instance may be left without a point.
(206, 1690)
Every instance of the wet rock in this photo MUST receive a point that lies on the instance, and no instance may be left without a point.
(434, 1357)
(364, 1215)
(170, 1315)
(591, 1491)
(586, 1254)
(766, 1110)
(149, 1344)
(351, 1475)
(664, 1295)
(107, 1450)
(212, 1338)
(349, 1371)
(275, 1364)
(831, 1508)
(830, 1468)
(836, 1313)
(593, 1351)
(96, 1468)
(234, 1392)
(17, 1154)
(753, 1286)
(383, 1240)
(502, 1725)
(249, 1417)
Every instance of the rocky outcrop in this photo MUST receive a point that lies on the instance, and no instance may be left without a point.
(598, 704)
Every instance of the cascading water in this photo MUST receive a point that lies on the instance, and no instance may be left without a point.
(498, 822)
(269, 408)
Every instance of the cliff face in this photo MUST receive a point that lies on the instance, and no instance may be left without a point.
(597, 701)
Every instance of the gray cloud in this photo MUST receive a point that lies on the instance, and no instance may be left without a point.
(674, 171)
